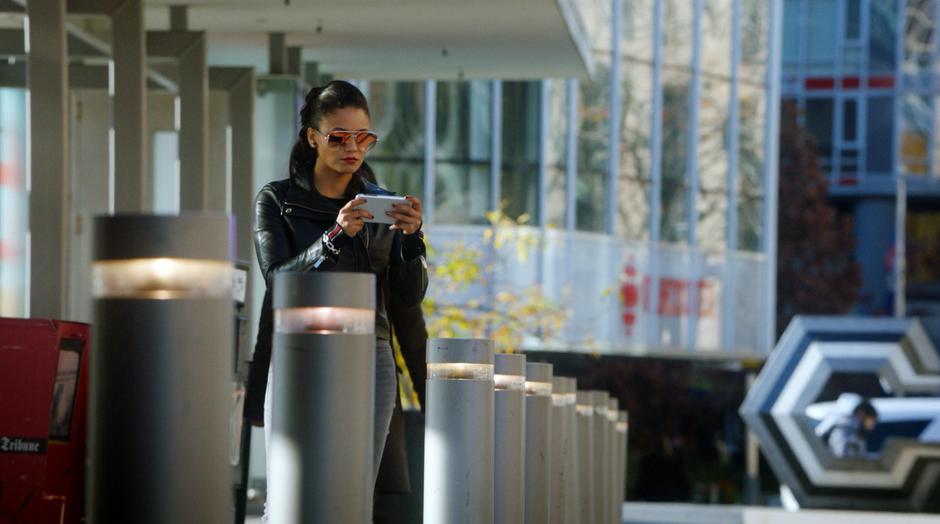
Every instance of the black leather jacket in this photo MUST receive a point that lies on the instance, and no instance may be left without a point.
(290, 219)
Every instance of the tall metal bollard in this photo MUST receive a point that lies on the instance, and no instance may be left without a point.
(572, 509)
(161, 373)
(563, 400)
(323, 398)
(613, 457)
(509, 482)
(538, 436)
(459, 432)
(600, 400)
(622, 427)
(585, 413)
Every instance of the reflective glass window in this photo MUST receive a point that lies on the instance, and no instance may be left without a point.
(397, 110)
(462, 168)
(879, 136)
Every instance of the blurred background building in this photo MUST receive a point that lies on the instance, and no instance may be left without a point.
(863, 75)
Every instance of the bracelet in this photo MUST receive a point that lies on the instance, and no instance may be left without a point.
(328, 244)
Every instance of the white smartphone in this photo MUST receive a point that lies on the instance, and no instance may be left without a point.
(378, 205)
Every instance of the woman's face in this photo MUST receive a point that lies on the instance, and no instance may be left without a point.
(341, 158)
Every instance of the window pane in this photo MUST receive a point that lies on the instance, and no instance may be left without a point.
(916, 115)
(821, 39)
(713, 125)
(849, 120)
(397, 110)
(918, 25)
(592, 147)
(556, 200)
(879, 156)
(462, 168)
(751, 165)
(675, 216)
(520, 150)
(14, 203)
(818, 117)
(636, 105)
(852, 19)
(883, 29)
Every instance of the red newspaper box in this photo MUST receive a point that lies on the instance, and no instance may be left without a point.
(43, 412)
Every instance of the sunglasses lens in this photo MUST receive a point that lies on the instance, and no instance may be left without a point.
(366, 140)
(337, 137)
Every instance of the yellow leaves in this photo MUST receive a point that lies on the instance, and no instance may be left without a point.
(508, 316)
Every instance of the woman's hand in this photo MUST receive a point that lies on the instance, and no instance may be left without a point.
(350, 219)
(408, 217)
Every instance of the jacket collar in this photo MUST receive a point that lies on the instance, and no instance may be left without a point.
(301, 191)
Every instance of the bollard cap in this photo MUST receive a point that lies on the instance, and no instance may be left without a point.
(623, 421)
(563, 391)
(538, 379)
(326, 289)
(460, 351)
(600, 399)
(510, 372)
(584, 401)
(196, 236)
(510, 364)
(162, 257)
(572, 384)
(538, 372)
(612, 405)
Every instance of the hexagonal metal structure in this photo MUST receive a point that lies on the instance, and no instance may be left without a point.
(906, 475)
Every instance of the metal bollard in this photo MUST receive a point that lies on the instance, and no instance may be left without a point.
(538, 423)
(585, 413)
(459, 432)
(599, 400)
(161, 374)
(622, 427)
(323, 405)
(563, 400)
(509, 482)
(613, 456)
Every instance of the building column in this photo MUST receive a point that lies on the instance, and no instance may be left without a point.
(771, 175)
(239, 84)
(194, 126)
(129, 109)
(48, 147)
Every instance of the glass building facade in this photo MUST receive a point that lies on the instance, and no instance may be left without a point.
(656, 166)
(864, 76)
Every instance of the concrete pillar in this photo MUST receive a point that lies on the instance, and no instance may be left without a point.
(47, 80)
(294, 60)
(242, 120)
(194, 126)
(277, 54)
(179, 18)
(129, 112)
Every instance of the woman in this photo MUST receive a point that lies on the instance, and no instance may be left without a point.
(310, 222)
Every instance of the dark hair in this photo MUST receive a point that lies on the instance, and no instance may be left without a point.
(866, 409)
(365, 171)
(319, 102)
